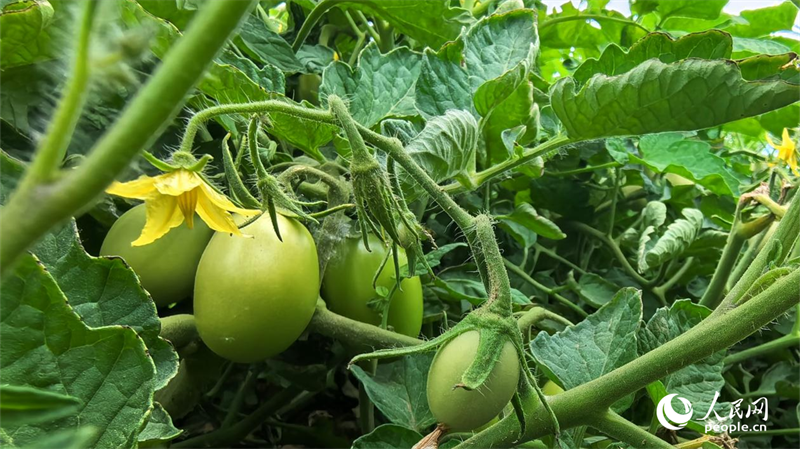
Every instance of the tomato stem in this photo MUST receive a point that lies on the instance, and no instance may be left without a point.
(53, 147)
(621, 429)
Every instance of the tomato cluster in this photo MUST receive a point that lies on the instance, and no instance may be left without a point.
(254, 296)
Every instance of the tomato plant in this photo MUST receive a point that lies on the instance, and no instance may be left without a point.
(405, 223)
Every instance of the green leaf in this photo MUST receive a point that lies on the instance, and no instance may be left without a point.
(270, 78)
(308, 135)
(769, 66)
(105, 292)
(224, 82)
(79, 438)
(677, 238)
(748, 46)
(697, 382)
(446, 146)
(433, 258)
(597, 345)
(159, 428)
(380, 86)
(596, 290)
(692, 159)
(656, 97)
(712, 44)
(472, 290)
(505, 102)
(177, 13)
(25, 34)
(21, 405)
(655, 214)
(398, 390)
(443, 83)
(589, 33)
(763, 21)
(489, 49)
(47, 346)
(429, 22)
(706, 9)
(527, 216)
(266, 46)
(12, 170)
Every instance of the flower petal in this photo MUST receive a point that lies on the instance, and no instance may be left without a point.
(140, 188)
(177, 182)
(216, 218)
(162, 215)
(187, 202)
(223, 202)
(787, 141)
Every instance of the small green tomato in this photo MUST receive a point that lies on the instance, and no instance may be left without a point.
(461, 410)
(166, 267)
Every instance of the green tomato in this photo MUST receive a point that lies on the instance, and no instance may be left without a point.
(347, 286)
(461, 410)
(166, 267)
(255, 296)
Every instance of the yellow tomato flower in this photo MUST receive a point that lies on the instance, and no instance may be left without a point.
(174, 197)
(787, 151)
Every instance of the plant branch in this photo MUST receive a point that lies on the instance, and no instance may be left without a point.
(597, 17)
(355, 334)
(311, 21)
(662, 289)
(787, 341)
(537, 314)
(479, 178)
(554, 255)
(612, 245)
(53, 146)
(774, 252)
(623, 430)
(32, 211)
(577, 171)
(525, 277)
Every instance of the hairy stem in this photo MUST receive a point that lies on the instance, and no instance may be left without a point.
(774, 252)
(256, 107)
(544, 149)
(623, 430)
(739, 234)
(355, 334)
(496, 278)
(32, 211)
(180, 330)
(535, 315)
(53, 146)
(311, 20)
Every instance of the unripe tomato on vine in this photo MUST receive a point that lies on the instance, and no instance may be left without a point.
(255, 296)
(347, 286)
